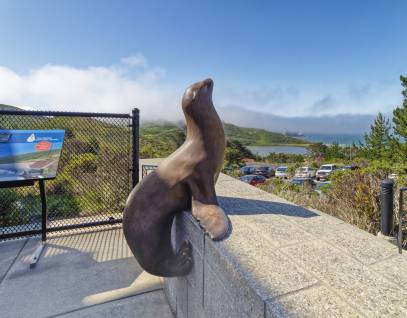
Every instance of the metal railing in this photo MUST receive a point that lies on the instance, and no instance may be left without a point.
(99, 166)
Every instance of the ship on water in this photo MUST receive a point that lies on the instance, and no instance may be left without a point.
(294, 134)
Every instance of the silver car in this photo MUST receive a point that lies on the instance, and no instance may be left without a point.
(282, 172)
(325, 170)
(305, 172)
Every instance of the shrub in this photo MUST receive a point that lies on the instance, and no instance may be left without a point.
(354, 198)
(8, 201)
(62, 206)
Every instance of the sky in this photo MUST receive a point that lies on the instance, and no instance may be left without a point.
(273, 59)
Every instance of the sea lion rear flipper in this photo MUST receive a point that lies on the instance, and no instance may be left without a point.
(178, 264)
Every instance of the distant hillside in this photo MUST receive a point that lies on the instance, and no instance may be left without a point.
(259, 137)
(8, 107)
(165, 136)
(160, 140)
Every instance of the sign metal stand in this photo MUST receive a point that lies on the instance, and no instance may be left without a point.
(38, 251)
(26, 183)
(22, 166)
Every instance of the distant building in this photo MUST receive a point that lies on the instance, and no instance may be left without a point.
(293, 134)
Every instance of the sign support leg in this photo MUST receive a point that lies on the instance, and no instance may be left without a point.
(36, 256)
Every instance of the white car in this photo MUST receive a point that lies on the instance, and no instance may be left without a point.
(305, 172)
(282, 172)
(325, 170)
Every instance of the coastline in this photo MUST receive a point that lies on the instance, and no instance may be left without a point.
(281, 145)
(264, 151)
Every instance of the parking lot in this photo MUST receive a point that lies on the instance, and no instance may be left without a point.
(305, 175)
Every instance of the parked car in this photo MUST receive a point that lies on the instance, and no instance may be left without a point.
(303, 181)
(305, 172)
(282, 172)
(265, 171)
(325, 170)
(349, 167)
(253, 179)
(248, 170)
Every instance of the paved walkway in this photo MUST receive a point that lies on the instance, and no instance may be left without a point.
(90, 274)
(305, 263)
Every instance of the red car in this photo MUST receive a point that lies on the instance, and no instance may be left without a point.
(253, 179)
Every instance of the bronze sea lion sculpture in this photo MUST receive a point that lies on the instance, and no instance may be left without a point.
(183, 180)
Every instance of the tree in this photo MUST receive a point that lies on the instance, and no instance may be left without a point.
(318, 150)
(400, 122)
(335, 151)
(379, 140)
(235, 152)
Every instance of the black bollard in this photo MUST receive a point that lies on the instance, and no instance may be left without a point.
(386, 206)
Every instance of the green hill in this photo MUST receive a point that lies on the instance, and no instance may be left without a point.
(259, 137)
(8, 107)
(164, 137)
(170, 132)
(160, 140)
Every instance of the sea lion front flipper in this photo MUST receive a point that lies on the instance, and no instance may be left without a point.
(206, 210)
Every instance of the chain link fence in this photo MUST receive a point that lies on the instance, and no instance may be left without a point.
(94, 173)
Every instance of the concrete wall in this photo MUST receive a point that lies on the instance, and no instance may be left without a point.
(214, 288)
(284, 260)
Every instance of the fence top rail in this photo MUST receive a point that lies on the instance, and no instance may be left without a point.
(60, 113)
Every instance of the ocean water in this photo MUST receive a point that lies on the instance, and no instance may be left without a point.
(266, 150)
(342, 139)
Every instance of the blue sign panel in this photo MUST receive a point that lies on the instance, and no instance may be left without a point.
(29, 154)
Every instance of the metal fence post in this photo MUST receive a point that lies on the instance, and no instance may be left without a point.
(136, 145)
(401, 214)
(386, 207)
(43, 210)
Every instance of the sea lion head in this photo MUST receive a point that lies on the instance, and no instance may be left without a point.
(197, 94)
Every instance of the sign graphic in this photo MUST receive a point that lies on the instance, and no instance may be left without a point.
(31, 138)
(29, 154)
(43, 146)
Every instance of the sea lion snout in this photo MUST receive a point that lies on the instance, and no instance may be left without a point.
(205, 87)
(208, 83)
(201, 91)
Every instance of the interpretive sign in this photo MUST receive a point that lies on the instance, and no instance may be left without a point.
(29, 154)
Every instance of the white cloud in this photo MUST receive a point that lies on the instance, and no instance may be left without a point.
(314, 100)
(92, 89)
(134, 83)
(135, 60)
